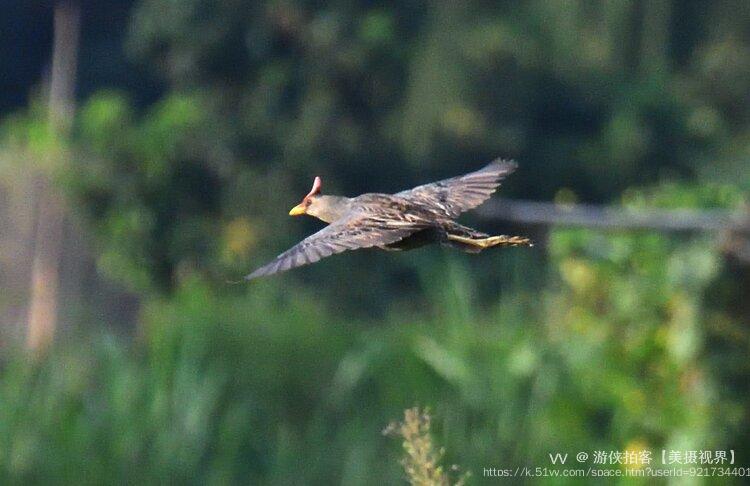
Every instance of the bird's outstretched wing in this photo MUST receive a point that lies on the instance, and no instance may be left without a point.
(451, 197)
(358, 230)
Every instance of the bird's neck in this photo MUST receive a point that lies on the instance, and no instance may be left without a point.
(330, 208)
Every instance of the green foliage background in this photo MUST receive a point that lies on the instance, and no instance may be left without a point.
(184, 169)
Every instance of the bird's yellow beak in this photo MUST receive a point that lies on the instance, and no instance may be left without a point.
(297, 210)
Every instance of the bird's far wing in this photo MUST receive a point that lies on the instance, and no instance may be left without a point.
(451, 197)
(359, 230)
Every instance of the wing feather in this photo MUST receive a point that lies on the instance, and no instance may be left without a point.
(451, 197)
(359, 230)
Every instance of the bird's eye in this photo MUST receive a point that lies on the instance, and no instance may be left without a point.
(308, 201)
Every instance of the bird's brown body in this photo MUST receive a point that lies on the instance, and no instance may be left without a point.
(402, 221)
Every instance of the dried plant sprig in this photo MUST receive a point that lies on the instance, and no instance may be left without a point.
(422, 459)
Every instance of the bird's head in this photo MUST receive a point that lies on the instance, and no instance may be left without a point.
(308, 202)
(325, 208)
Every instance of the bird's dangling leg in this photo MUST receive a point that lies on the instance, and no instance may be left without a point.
(490, 241)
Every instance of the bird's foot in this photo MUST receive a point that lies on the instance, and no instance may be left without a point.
(504, 240)
(490, 241)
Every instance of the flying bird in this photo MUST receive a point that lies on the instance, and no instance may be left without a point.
(402, 221)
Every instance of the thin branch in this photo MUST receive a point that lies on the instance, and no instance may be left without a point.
(592, 216)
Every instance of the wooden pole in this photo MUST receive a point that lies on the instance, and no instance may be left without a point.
(50, 212)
